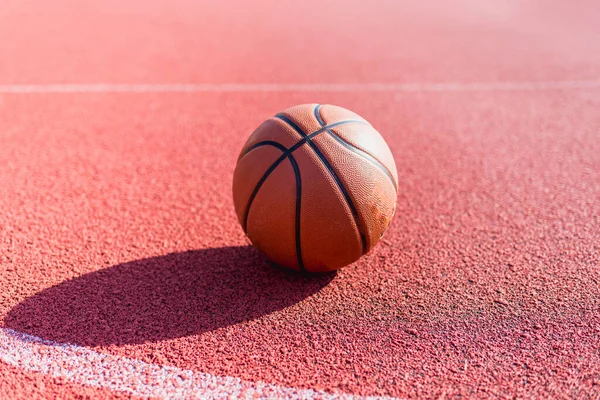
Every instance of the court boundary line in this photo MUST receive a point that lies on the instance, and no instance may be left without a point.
(294, 87)
(87, 367)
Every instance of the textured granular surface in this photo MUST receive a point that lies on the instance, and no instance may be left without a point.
(20, 385)
(118, 233)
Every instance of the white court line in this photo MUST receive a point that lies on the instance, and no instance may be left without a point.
(297, 87)
(87, 367)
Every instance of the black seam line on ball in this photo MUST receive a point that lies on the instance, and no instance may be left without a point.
(318, 115)
(301, 141)
(298, 194)
(286, 152)
(357, 219)
(264, 143)
(291, 123)
(333, 174)
(259, 185)
(355, 149)
(298, 205)
(365, 155)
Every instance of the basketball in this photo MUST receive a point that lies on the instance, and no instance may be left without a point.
(315, 187)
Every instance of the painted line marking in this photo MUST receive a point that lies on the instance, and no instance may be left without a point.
(297, 87)
(121, 374)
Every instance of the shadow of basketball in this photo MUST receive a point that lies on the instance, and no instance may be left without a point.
(164, 297)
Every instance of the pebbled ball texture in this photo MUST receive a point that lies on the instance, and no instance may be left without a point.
(314, 187)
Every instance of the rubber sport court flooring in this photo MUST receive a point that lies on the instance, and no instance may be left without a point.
(123, 270)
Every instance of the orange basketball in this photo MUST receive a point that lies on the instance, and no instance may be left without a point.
(314, 187)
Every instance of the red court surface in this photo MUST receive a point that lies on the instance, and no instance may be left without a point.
(122, 261)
